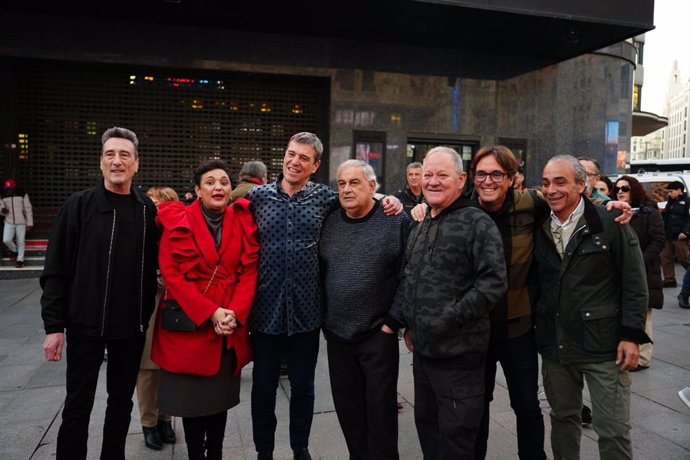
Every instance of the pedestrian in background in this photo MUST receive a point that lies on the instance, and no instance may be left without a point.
(676, 216)
(15, 206)
(156, 425)
(411, 195)
(253, 173)
(649, 228)
(99, 286)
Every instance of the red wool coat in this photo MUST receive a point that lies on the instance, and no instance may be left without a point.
(187, 259)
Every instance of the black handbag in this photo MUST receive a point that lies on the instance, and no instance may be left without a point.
(174, 318)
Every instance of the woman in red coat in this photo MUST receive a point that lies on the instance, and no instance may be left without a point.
(208, 259)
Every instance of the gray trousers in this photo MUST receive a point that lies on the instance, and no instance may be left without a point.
(610, 393)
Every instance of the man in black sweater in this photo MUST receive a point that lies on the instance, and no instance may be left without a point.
(362, 253)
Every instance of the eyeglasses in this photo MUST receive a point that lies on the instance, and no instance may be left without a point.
(496, 176)
(622, 188)
(589, 174)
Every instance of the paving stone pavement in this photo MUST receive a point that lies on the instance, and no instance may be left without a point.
(32, 393)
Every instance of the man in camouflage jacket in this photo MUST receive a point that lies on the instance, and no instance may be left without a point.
(455, 274)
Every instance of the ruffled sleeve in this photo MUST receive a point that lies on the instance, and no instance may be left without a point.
(174, 221)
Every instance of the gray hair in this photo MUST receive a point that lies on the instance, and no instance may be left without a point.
(593, 161)
(121, 133)
(368, 171)
(309, 139)
(253, 169)
(455, 156)
(414, 165)
(580, 171)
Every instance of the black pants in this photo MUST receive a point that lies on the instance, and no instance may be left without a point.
(84, 358)
(364, 383)
(302, 351)
(449, 402)
(204, 436)
(518, 358)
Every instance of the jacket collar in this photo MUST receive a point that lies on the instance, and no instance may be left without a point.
(592, 218)
(102, 201)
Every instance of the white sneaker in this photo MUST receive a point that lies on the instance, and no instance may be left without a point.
(684, 395)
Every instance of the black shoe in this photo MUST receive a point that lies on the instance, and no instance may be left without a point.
(166, 432)
(638, 368)
(19, 264)
(152, 438)
(301, 454)
(684, 299)
(586, 415)
(265, 456)
(669, 283)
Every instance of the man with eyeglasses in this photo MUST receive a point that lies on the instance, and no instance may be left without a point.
(593, 176)
(589, 321)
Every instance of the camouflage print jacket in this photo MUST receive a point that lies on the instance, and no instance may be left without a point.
(455, 274)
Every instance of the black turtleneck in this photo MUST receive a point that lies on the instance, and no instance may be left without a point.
(214, 221)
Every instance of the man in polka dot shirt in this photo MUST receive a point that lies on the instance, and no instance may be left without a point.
(287, 315)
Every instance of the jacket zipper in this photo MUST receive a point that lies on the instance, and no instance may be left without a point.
(141, 277)
(107, 275)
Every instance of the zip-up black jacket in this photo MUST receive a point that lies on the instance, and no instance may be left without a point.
(78, 271)
(677, 217)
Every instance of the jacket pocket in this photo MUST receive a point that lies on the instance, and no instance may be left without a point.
(600, 329)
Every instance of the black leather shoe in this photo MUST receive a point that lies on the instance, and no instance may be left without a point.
(265, 456)
(166, 432)
(301, 454)
(152, 438)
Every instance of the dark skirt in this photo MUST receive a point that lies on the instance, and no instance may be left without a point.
(188, 395)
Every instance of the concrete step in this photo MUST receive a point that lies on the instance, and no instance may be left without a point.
(29, 260)
(34, 258)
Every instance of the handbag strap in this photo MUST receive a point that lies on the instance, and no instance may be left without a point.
(165, 296)
(211, 280)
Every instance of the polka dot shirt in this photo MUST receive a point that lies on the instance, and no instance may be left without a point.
(288, 297)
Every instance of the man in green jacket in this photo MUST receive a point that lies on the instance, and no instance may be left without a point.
(590, 316)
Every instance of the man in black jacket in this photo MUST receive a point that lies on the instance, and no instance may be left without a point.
(677, 226)
(99, 285)
(411, 195)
